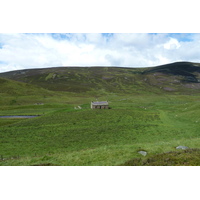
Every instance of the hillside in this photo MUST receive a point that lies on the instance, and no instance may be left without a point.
(11, 87)
(180, 77)
(14, 92)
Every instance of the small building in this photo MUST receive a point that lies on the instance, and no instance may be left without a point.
(99, 105)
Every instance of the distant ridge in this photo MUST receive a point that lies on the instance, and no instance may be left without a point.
(178, 77)
(177, 68)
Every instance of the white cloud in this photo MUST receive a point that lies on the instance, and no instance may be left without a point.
(19, 51)
(172, 44)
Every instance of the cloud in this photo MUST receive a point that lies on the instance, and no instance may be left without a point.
(172, 44)
(21, 51)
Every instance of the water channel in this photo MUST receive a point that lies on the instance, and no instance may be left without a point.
(19, 116)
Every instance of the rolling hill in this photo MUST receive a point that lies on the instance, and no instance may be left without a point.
(179, 77)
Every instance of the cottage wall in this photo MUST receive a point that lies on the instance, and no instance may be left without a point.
(104, 107)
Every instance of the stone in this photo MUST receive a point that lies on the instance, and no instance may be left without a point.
(182, 147)
(144, 153)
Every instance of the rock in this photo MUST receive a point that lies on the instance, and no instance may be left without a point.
(182, 147)
(144, 153)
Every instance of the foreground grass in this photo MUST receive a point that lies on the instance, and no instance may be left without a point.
(189, 157)
(123, 155)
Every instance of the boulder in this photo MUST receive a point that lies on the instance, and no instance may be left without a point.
(144, 153)
(182, 147)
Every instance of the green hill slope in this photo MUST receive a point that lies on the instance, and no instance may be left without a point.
(14, 92)
(11, 87)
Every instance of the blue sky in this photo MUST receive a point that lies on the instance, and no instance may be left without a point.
(38, 50)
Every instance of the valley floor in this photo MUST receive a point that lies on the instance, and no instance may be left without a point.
(66, 136)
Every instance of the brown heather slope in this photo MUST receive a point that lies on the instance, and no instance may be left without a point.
(178, 78)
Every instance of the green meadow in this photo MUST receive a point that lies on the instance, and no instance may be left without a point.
(63, 135)
(152, 112)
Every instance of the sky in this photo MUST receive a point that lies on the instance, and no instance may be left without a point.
(41, 50)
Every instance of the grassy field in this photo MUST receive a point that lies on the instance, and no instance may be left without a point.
(63, 135)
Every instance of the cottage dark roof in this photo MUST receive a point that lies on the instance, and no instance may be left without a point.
(100, 103)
